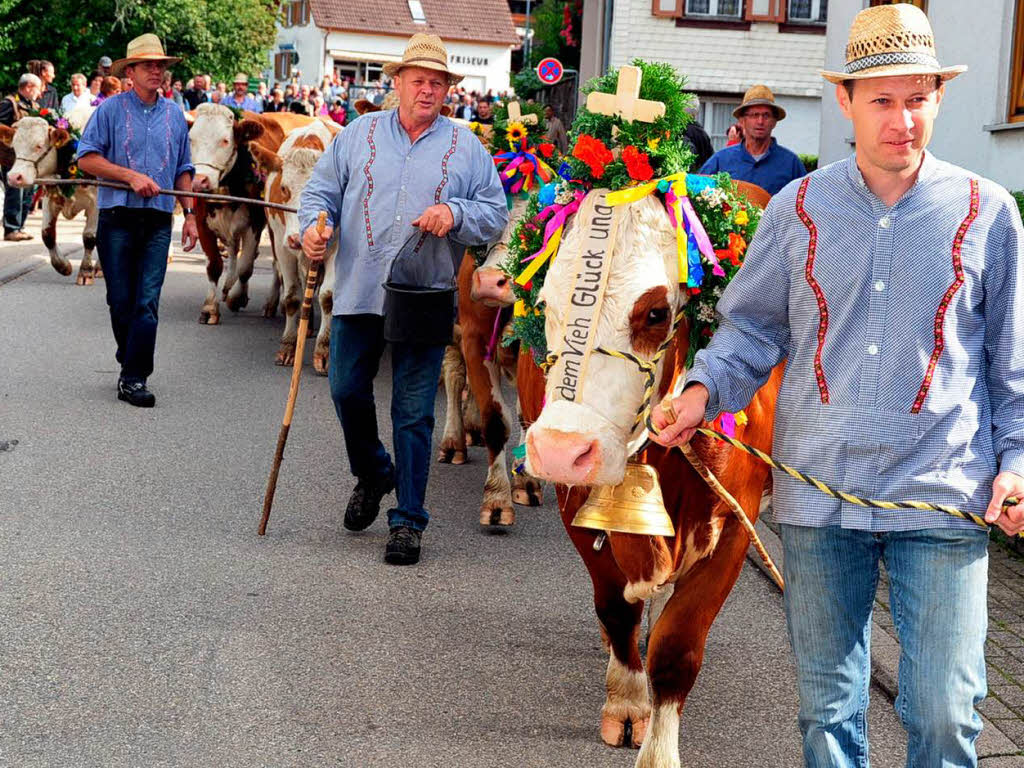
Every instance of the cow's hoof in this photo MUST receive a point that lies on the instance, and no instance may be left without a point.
(97, 273)
(613, 732)
(63, 268)
(285, 354)
(237, 303)
(475, 437)
(270, 310)
(320, 360)
(456, 456)
(640, 731)
(497, 515)
(206, 317)
(460, 457)
(82, 278)
(531, 494)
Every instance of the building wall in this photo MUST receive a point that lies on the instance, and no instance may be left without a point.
(309, 44)
(725, 61)
(983, 40)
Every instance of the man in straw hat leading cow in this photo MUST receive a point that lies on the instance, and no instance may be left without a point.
(396, 182)
(893, 284)
(139, 138)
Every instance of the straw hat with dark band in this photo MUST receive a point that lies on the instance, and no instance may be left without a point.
(425, 51)
(759, 95)
(143, 48)
(888, 41)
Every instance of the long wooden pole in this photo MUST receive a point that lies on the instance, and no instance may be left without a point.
(293, 390)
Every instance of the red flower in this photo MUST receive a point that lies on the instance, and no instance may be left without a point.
(593, 152)
(638, 164)
(546, 149)
(727, 254)
(693, 291)
(44, 112)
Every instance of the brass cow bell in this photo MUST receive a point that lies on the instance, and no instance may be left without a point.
(635, 506)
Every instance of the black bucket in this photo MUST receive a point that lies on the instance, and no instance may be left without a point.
(417, 315)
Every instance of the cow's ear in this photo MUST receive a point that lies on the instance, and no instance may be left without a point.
(446, 110)
(6, 135)
(247, 130)
(59, 137)
(267, 160)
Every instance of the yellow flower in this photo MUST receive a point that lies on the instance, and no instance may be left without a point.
(516, 132)
(742, 218)
(652, 144)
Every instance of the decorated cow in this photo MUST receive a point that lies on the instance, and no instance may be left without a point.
(45, 147)
(633, 253)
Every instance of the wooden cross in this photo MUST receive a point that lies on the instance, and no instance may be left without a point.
(515, 114)
(626, 101)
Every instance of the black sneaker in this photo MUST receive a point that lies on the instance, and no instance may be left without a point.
(135, 393)
(364, 504)
(403, 547)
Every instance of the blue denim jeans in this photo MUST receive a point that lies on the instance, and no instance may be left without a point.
(938, 581)
(17, 205)
(133, 244)
(357, 343)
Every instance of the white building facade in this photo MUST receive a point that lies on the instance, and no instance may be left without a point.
(318, 37)
(726, 46)
(981, 122)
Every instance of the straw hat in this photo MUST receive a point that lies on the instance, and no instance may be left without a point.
(891, 40)
(145, 47)
(241, 78)
(760, 94)
(425, 51)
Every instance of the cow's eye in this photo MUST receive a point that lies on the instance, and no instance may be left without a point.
(286, 193)
(657, 316)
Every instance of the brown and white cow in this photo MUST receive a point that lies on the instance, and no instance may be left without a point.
(288, 171)
(583, 443)
(45, 151)
(223, 160)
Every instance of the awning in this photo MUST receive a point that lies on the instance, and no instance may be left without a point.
(381, 58)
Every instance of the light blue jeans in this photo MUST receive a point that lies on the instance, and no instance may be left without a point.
(938, 582)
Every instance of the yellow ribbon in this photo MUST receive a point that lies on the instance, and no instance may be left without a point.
(520, 309)
(549, 251)
(640, 191)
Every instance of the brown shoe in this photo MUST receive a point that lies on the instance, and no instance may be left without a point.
(12, 237)
(23, 235)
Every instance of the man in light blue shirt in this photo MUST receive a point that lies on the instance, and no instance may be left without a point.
(241, 98)
(404, 181)
(892, 284)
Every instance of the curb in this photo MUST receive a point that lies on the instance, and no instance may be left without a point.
(20, 268)
(994, 746)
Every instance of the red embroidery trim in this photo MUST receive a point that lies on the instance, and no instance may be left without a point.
(947, 299)
(812, 248)
(369, 182)
(444, 180)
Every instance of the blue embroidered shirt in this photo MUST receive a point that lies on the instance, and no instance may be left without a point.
(373, 184)
(149, 139)
(248, 102)
(903, 337)
(772, 172)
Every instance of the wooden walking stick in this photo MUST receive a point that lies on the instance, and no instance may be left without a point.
(293, 391)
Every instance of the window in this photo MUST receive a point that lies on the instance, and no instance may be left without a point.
(922, 4)
(416, 9)
(729, 8)
(286, 14)
(716, 117)
(283, 66)
(808, 11)
(672, 8)
(1017, 71)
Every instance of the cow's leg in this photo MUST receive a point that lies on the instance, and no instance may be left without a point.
(89, 264)
(322, 350)
(248, 249)
(232, 248)
(527, 490)
(274, 298)
(210, 312)
(60, 263)
(290, 304)
(453, 443)
(676, 649)
(496, 508)
(472, 421)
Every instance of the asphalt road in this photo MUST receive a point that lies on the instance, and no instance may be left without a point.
(145, 624)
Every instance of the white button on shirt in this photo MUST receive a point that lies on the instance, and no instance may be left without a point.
(884, 222)
(879, 286)
(873, 349)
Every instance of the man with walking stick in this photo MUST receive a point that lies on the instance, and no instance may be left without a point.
(398, 180)
(139, 138)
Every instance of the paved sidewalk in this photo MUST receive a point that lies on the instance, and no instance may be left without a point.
(17, 259)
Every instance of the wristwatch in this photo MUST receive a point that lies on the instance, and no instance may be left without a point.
(189, 211)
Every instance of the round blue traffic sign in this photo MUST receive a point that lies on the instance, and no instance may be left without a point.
(549, 71)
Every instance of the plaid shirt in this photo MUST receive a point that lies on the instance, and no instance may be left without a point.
(903, 329)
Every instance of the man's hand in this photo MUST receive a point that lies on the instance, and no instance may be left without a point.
(1010, 519)
(144, 186)
(314, 245)
(189, 234)
(678, 423)
(437, 220)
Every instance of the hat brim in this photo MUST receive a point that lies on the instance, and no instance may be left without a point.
(894, 70)
(392, 68)
(780, 113)
(118, 67)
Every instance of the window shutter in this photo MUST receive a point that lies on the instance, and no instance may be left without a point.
(667, 8)
(305, 11)
(766, 10)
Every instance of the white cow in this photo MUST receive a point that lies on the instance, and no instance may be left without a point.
(288, 171)
(44, 151)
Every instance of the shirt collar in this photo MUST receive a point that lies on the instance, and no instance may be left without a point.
(397, 125)
(134, 98)
(771, 146)
(929, 167)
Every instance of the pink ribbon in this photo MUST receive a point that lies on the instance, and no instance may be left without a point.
(559, 213)
(701, 236)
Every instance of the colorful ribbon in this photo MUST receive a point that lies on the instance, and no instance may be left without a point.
(517, 168)
(552, 235)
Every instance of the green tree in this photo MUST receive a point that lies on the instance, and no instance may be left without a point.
(546, 20)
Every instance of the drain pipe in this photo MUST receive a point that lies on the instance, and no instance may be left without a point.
(609, 9)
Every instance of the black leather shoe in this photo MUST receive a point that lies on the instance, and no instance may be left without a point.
(364, 504)
(403, 547)
(135, 393)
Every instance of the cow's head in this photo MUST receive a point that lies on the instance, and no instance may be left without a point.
(287, 176)
(35, 143)
(583, 442)
(216, 136)
(491, 284)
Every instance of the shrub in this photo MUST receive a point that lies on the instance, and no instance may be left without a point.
(810, 162)
(1019, 197)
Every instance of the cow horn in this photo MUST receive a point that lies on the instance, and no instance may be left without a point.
(634, 506)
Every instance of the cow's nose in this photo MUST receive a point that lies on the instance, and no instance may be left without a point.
(16, 179)
(294, 242)
(562, 457)
(200, 184)
(492, 286)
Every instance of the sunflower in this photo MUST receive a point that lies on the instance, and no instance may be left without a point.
(516, 132)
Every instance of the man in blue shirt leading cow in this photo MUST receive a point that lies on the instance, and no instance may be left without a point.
(139, 138)
(399, 181)
(892, 284)
(758, 158)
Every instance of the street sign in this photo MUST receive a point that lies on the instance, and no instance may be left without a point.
(549, 71)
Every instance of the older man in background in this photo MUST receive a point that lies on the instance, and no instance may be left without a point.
(79, 94)
(17, 202)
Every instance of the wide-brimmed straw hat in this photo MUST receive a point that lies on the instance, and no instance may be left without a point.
(888, 41)
(760, 94)
(145, 47)
(425, 51)
(241, 78)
